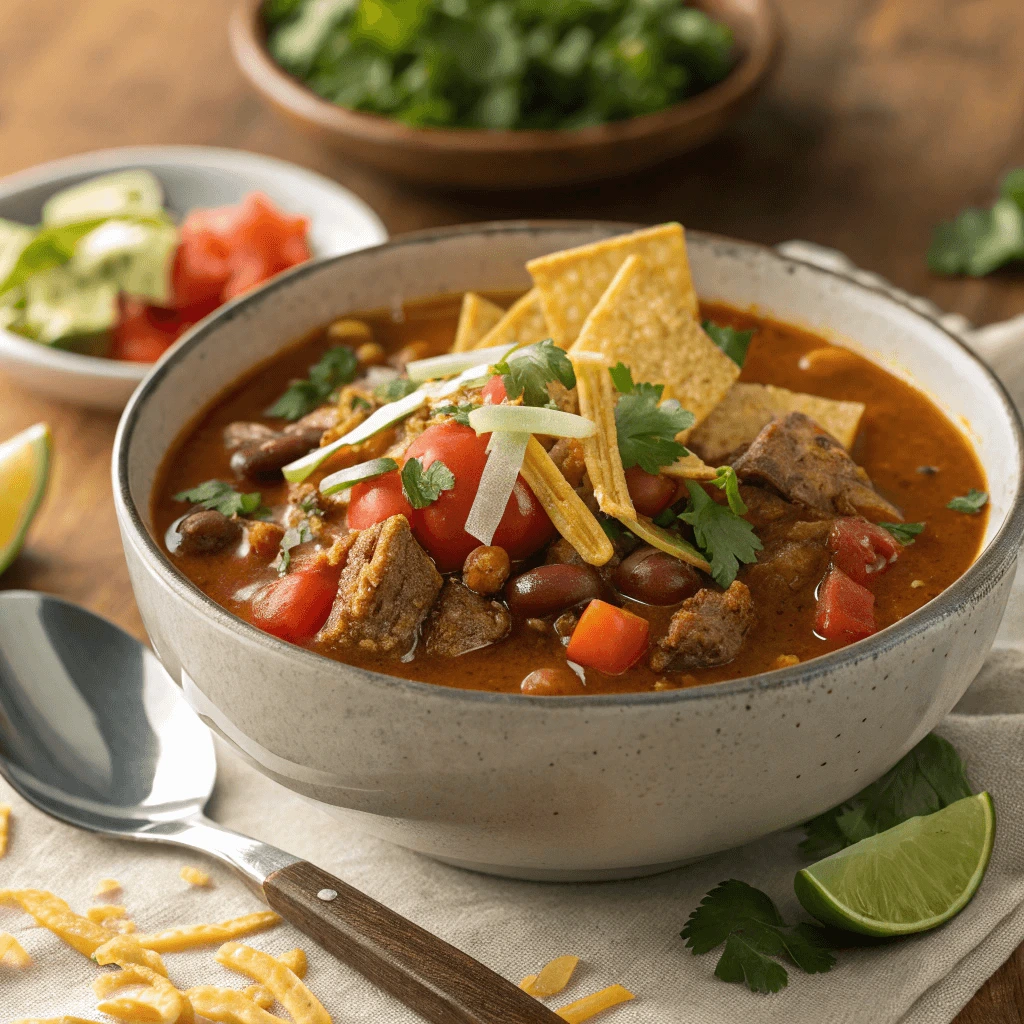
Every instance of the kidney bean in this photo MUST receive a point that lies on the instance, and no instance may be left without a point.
(654, 577)
(552, 682)
(550, 589)
(266, 458)
(206, 531)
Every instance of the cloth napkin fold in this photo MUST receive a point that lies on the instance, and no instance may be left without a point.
(625, 932)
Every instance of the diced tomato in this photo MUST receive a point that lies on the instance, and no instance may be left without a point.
(375, 500)
(494, 392)
(846, 610)
(135, 337)
(861, 549)
(295, 606)
(651, 493)
(202, 266)
(608, 639)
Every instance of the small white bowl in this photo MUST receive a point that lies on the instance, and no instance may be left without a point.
(192, 176)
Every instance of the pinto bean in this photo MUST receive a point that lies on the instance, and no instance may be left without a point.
(206, 531)
(486, 568)
(266, 458)
(552, 682)
(371, 354)
(654, 577)
(550, 589)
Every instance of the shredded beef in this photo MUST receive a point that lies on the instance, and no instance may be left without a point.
(709, 629)
(462, 621)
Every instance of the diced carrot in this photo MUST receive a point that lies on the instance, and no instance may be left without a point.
(608, 639)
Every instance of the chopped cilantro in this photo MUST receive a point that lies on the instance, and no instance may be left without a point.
(310, 504)
(724, 537)
(972, 502)
(223, 498)
(394, 389)
(645, 425)
(424, 486)
(727, 480)
(665, 518)
(459, 413)
(533, 369)
(904, 532)
(732, 342)
(930, 777)
(293, 537)
(748, 922)
(358, 402)
(335, 367)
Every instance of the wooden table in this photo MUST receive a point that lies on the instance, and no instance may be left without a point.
(885, 117)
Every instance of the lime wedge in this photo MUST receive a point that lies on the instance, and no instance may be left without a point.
(909, 879)
(24, 472)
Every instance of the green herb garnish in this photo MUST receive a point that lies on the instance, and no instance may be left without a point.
(337, 366)
(972, 502)
(459, 413)
(358, 402)
(904, 532)
(223, 498)
(293, 537)
(726, 480)
(724, 537)
(310, 504)
(732, 342)
(424, 486)
(646, 426)
(533, 369)
(394, 389)
(748, 922)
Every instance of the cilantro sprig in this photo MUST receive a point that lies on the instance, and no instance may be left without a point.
(972, 502)
(726, 480)
(725, 538)
(424, 486)
(459, 413)
(223, 498)
(732, 342)
(755, 936)
(533, 368)
(905, 533)
(647, 426)
(293, 537)
(337, 366)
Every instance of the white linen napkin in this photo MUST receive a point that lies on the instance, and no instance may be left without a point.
(625, 932)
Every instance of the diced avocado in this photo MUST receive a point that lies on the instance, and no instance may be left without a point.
(13, 240)
(59, 305)
(136, 257)
(123, 194)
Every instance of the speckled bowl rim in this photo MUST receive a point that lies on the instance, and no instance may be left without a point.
(989, 568)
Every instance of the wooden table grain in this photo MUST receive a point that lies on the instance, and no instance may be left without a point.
(884, 117)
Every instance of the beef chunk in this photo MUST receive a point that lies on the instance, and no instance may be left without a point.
(794, 555)
(386, 589)
(808, 465)
(709, 629)
(463, 621)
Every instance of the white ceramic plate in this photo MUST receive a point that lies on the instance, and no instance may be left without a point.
(192, 176)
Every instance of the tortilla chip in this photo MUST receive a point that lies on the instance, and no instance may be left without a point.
(523, 324)
(749, 407)
(572, 282)
(690, 467)
(477, 316)
(639, 322)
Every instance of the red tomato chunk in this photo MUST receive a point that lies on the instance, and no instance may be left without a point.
(846, 610)
(608, 639)
(295, 606)
(861, 549)
(494, 392)
(375, 500)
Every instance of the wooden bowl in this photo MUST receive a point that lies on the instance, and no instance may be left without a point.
(475, 159)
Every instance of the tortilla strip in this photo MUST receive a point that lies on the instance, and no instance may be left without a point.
(477, 316)
(690, 467)
(571, 282)
(748, 408)
(52, 913)
(638, 321)
(553, 977)
(585, 1008)
(174, 940)
(523, 324)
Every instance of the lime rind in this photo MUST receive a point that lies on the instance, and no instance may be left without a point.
(38, 442)
(910, 859)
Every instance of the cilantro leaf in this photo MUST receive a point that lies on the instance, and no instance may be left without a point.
(531, 371)
(749, 924)
(647, 428)
(358, 402)
(727, 480)
(310, 504)
(904, 532)
(424, 486)
(394, 389)
(337, 366)
(459, 413)
(930, 777)
(972, 502)
(723, 536)
(223, 498)
(732, 342)
(622, 378)
(293, 537)
(979, 241)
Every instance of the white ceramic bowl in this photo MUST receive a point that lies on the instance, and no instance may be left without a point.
(569, 787)
(192, 176)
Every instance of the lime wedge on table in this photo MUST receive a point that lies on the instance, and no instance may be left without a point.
(24, 471)
(908, 879)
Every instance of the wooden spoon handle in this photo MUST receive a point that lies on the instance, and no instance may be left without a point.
(436, 980)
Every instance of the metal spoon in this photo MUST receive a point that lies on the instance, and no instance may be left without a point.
(93, 731)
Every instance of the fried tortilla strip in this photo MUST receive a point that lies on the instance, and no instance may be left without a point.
(477, 316)
(571, 517)
(295, 961)
(639, 321)
(174, 940)
(54, 1020)
(106, 886)
(53, 913)
(571, 282)
(690, 467)
(5, 827)
(664, 540)
(195, 876)
(523, 324)
(303, 1007)
(103, 913)
(136, 993)
(585, 1008)
(601, 450)
(125, 951)
(553, 977)
(12, 952)
(261, 996)
(229, 1006)
(748, 408)
(527, 982)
